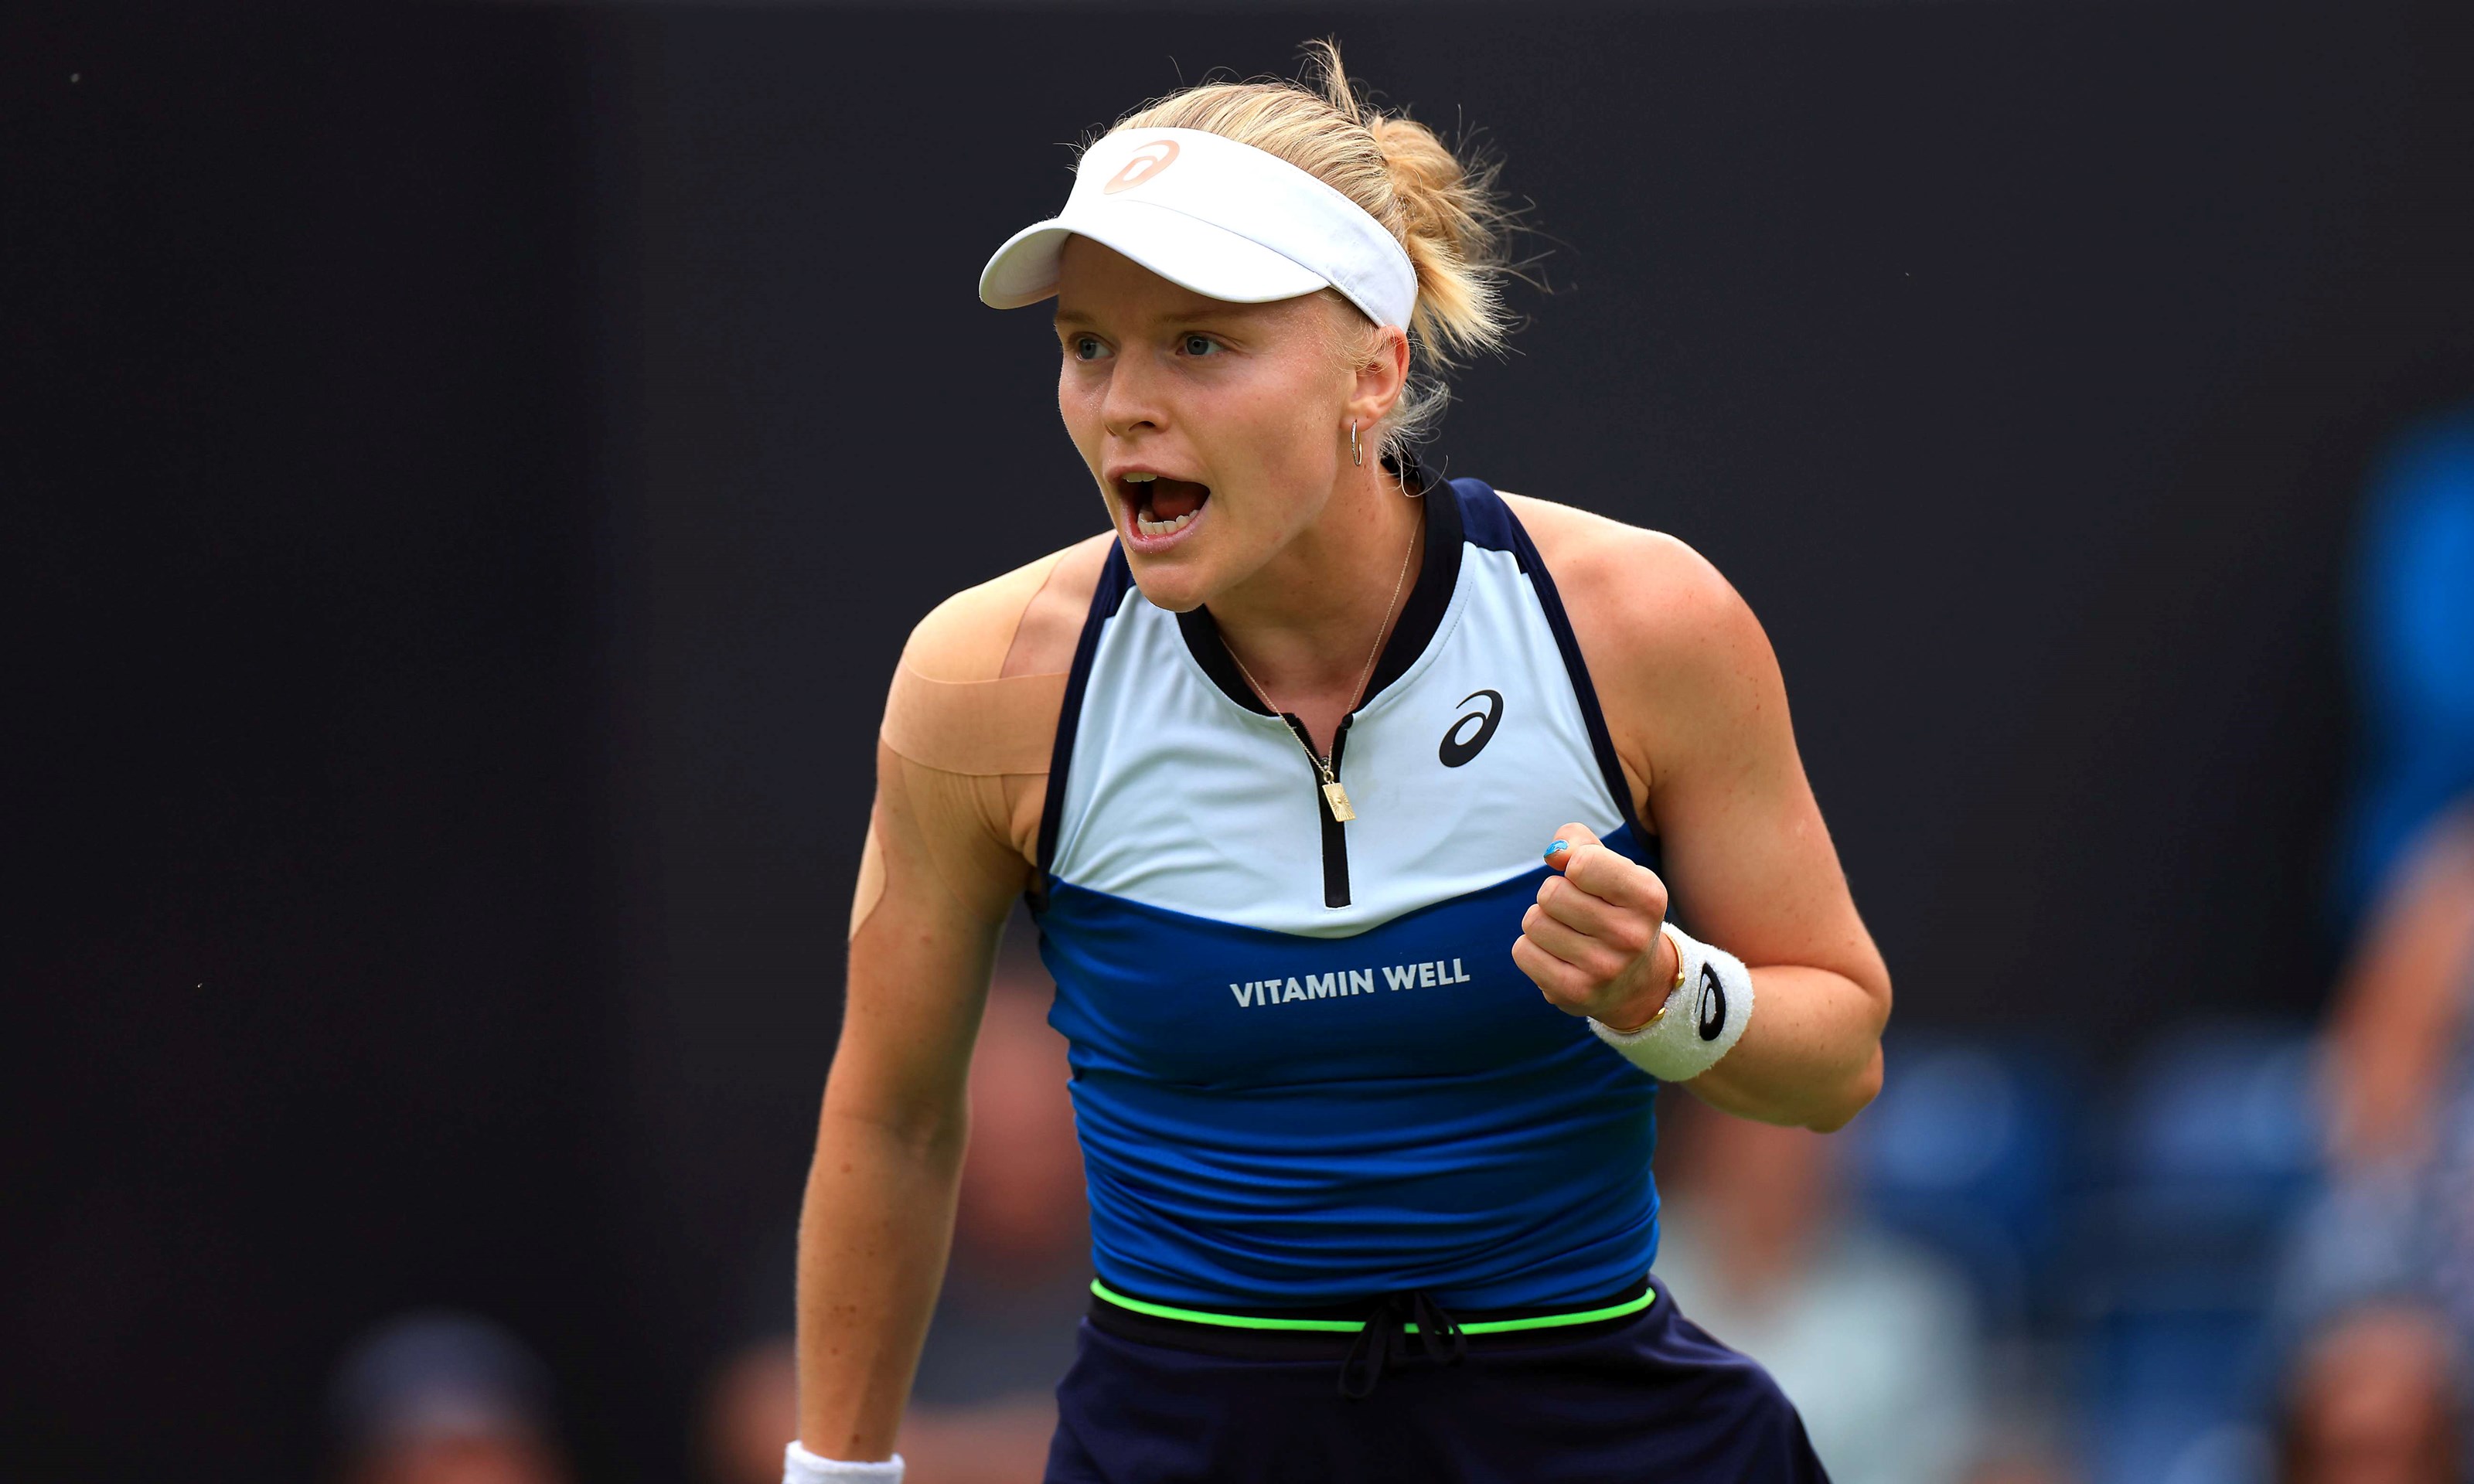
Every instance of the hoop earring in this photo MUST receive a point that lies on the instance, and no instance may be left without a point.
(1356, 455)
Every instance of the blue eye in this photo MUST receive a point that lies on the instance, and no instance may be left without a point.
(1201, 345)
(1087, 348)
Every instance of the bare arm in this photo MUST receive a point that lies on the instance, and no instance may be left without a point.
(960, 774)
(2402, 1000)
(879, 1215)
(1693, 696)
(1744, 836)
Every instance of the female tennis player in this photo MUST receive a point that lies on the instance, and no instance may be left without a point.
(1364, 1084)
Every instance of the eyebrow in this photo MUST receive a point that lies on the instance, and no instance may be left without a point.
(1207, 312)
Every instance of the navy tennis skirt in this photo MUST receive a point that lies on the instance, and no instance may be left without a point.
(1649, 1397)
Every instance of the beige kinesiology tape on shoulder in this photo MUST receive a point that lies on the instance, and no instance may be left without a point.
(978, 729)
(961, 727)
(871, 880)
(966, 736)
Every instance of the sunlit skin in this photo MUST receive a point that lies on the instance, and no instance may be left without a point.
(1295, 550)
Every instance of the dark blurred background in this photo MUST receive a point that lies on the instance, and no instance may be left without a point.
(466, 474)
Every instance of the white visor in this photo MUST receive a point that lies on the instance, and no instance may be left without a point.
(1224, 219)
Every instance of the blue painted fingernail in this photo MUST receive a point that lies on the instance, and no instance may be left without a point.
(1558, 848)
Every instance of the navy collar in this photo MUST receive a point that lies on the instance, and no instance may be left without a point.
(1437, 575)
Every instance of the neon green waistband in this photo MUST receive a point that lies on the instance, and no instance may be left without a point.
(1195, 1316)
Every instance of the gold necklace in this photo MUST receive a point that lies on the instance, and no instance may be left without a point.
(1333, 794)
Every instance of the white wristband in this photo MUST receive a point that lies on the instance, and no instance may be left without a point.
(1702, 1019)
(801, 1466)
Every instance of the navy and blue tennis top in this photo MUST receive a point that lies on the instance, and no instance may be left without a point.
(1305, 1068)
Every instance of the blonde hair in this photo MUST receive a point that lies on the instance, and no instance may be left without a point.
(1444, 210)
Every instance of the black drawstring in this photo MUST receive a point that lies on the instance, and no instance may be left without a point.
(1437, 1326)
(1439, 1336)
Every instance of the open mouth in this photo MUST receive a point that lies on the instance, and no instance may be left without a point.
(1159, 506)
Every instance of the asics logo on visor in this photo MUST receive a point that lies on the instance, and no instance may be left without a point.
(1148, 161)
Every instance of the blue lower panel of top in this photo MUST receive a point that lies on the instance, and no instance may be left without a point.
(1275, 1121)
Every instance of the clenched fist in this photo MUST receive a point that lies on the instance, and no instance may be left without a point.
(1591, 943)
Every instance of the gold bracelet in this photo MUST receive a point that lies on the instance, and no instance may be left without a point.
(1664, 931)
(1668, 933)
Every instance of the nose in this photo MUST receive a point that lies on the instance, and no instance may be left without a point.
(1133, 403)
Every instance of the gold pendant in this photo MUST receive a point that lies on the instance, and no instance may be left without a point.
(1337, 797)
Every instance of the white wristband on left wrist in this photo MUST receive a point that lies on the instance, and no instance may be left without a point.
(801, 1466)
(1702, 1019)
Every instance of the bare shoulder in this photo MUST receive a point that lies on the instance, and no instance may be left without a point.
(982, 678)
(1681, 666)
(1637, 595)
(1022, 623)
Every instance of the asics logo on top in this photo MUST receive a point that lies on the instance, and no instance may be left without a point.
(1460, 744)
(1713, 1003)
(1148, 161)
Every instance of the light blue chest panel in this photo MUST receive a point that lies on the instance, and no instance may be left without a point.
(1306, 1067)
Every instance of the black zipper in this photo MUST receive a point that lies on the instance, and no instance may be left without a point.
(1335, 838)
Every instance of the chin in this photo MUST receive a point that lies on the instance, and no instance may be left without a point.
(1178, 582)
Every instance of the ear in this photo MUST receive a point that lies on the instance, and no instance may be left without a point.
(1382, 376)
